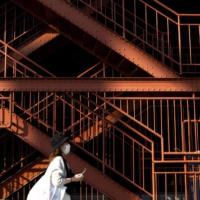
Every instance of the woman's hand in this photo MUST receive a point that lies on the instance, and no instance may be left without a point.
(77, 177)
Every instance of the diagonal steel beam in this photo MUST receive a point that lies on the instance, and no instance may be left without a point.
(62, 16)
(41, 142)
(100, 84)
(110, 39)
(33, 44)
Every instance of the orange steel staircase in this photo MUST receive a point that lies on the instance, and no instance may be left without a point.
(36, 139)
(22, 177)
(75, 24)
(95, 38)
(28, 35)
(41, 142)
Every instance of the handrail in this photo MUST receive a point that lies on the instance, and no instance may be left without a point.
(9, 99)
(4, 5)
(148, 33)
(17, 163)
(172, 11)
(27, 68)
(18, 62)
(100, 107)
(113, 125)
(115, 171)
(26, 32)
(25, 57)
(127, 115)
(133, 119)
(116, 12)
(145, 3)
(169, 9)
(99, 160)
(132, 33)
(21, 22)
(151, 32)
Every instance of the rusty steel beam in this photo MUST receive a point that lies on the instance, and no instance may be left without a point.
(100, 84)
(94, 177)
(22, 177)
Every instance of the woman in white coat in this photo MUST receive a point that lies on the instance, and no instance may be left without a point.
(53, 184)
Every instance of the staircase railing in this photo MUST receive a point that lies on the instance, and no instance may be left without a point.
(111, 144)
(18, 25)
(3, 100)
(117, 106)
(84, 114)
(166, 36)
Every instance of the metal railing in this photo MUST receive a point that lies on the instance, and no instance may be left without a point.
(15, 161)
(129, 129)
(85, 191)
(168, 37)
(176, 119)
(50, 112)
(18, 26)
(3, 101)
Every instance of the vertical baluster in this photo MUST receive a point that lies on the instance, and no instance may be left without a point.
(63, 114)
(195, 125)
(168, 126)
(179, 45)
(175, 136)
(54, 112)
(189, 124)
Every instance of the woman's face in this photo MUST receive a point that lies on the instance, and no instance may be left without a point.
(65, 147)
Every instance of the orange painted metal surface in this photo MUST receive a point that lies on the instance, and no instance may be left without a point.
(94, 177)
(170, 123)
(105, 44)
(22, 177)
(99, 85)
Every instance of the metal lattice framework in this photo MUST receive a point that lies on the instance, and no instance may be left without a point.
(139, 135)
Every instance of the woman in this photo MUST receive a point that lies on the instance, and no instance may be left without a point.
(53, 185)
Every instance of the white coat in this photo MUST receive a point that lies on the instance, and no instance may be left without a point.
(51, 185)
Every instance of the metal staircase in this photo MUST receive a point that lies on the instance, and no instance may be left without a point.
(28, 136)
(109, 117)
(26, 34)
(153, 27)
(151, 125)
(40, 141)
(102, 43)
(22, 177)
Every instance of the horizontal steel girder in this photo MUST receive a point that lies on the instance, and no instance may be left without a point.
(98, 85)
(93, 177)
